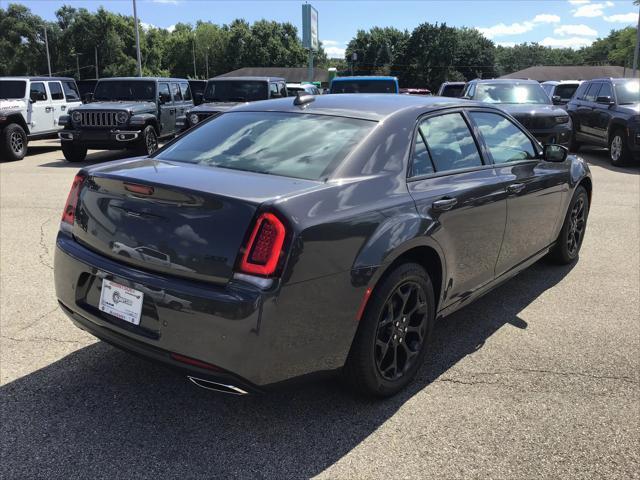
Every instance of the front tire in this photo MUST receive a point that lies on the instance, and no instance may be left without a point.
(149, 143)
(567, 247)
(74, 153)
(14, 142)
(394, 332)
(618, 149)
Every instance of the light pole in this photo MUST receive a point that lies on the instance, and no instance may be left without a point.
(195, 75)
(135, 19)
(207, 62)
(637, 49)
(46, 44)
(77, 55)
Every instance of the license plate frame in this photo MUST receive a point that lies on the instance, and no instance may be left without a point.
(121, 301)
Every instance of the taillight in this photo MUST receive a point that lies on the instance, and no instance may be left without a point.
(262, 252)
(69, 212)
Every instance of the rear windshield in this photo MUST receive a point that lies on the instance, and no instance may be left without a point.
(288, 144)
(566, 90)
(452, 90)
(11, 89)
(628, 92)
(511, 93)
(364, 86)
(240, 91)
(125, 90)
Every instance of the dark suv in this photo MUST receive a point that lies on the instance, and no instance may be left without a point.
(130, 112)
(527, 101)
(451, 89)
(606, 112)
(223, 93)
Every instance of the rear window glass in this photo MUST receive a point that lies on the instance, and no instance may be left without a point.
(364, 86)
(452, 90)
(288, 144)
(10, 89)
(566, 91)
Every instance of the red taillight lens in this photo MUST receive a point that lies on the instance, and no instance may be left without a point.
(69, 212)
(265, 244)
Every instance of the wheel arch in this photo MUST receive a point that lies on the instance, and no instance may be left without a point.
(17, 119)
(588, 186)
(615, 125)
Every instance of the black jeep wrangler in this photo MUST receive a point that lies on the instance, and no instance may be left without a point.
(130, 113)
(223, 93)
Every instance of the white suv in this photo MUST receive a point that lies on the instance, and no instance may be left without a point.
(30, 108)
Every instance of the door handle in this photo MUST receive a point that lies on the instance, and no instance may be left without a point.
(63, 108)
(172, 111)
(515, 187)
(444, 204)
(48, 109)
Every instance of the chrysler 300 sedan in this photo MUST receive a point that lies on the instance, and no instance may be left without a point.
(313, 234)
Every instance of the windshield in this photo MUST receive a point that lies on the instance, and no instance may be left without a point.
(566, 90)
(289, 144)
(511, 93)
(452, 90)
(10, 89)
(231, 91)
(364, 86)
(125, 90)
(627, 92)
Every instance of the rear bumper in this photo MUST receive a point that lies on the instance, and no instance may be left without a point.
(256, 339)
(114, 139)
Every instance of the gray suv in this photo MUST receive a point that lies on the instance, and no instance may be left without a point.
(128, 112)
(527, 101)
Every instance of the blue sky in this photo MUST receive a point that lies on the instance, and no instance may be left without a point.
(556, 23)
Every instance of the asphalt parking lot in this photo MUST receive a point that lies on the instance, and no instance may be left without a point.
(539, 379)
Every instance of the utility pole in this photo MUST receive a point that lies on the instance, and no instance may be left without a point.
(637, 49)
(135, 19)
(46, 44)
(195, 75)
(96, 52)
(78, 64)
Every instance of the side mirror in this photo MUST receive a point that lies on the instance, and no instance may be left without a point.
(164, 98)
(555, 153)
(607, 100)
(34, 97)
(556, 100)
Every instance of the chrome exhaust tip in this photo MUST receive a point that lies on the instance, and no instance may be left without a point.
(217, 387)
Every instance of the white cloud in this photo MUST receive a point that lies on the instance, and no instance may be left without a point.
(566, 42)
(578, 2)
(506, 44)
(546, 18)
(591, 10)
(334, 48)
(582, 30)
(623, 18)
(147, 26)
(171, 28)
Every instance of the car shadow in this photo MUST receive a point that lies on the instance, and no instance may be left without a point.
(94, 157)
(100, 412)
(600, 157)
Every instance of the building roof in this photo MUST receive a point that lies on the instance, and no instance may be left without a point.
(290, 74)
(543, 73)
(38, 78)
(365, 78)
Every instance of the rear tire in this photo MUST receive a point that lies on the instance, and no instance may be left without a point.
(74, 153)
(392, 338)
(149, 141)
(14, 142)
(567, 247)
(618, 149)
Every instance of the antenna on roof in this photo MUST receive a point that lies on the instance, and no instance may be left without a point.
(302, 98)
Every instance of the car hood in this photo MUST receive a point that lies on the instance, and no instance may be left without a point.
(632, 109)
(12, 104)
(520, 109)
(132, 107)
(215, 107)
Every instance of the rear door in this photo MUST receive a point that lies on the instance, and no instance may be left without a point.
(460, 195)
(585, 111)
(41, 117)
(534, 187)
(601, 114)
(178, 101)
(167, 110)
(58, 102)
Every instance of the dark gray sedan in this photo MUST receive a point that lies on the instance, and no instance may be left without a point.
(313, 234)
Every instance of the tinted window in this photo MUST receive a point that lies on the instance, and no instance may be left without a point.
(581, 91)
(177, 95)
(12, 89)
(453, 91)
(164, 92)
(450, 142)
(39, 90)
(592, 93)
(186, 91)
(421, 164)
(566, 90)
(283, 90)
(548, 88)
(506, 142)
(56, 91)
(628, 92)
(235, 91)
(273, 90)
(511, 93)
(289, 144)
(71, 91)
(364, 86)
(605, 90)
(125, 90)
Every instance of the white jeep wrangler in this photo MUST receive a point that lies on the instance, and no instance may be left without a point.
(30, 108)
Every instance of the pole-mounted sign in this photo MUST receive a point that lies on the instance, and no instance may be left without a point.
(310, 28)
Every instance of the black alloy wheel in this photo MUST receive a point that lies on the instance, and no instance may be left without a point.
(14, 143)
(569, 241)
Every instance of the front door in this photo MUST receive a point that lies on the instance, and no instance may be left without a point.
(167, 110)
(41, 118)
(461, 200)
(601, 114)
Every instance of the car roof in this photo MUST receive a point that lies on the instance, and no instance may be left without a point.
(39, 79)
(368, 106)
(506, 80)
(560, 82)
(157, 79)
(611, 79)
(446, 84)
(364, 77)
(261, 79)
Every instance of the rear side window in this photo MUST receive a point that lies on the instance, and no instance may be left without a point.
(450, 142)
(505, 141)
(71, 91)
(273, 90)
(288, 144)
(592, 93)
(421, 164)
(163, 92)
(56, 91)
(177, 95)
(37, 89)
(582, 90)
(186, 91)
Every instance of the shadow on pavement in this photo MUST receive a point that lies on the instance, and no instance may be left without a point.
(600, 157)
(100, 412)
(92, 158)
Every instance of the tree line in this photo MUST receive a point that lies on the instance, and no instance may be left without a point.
(424, 57)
